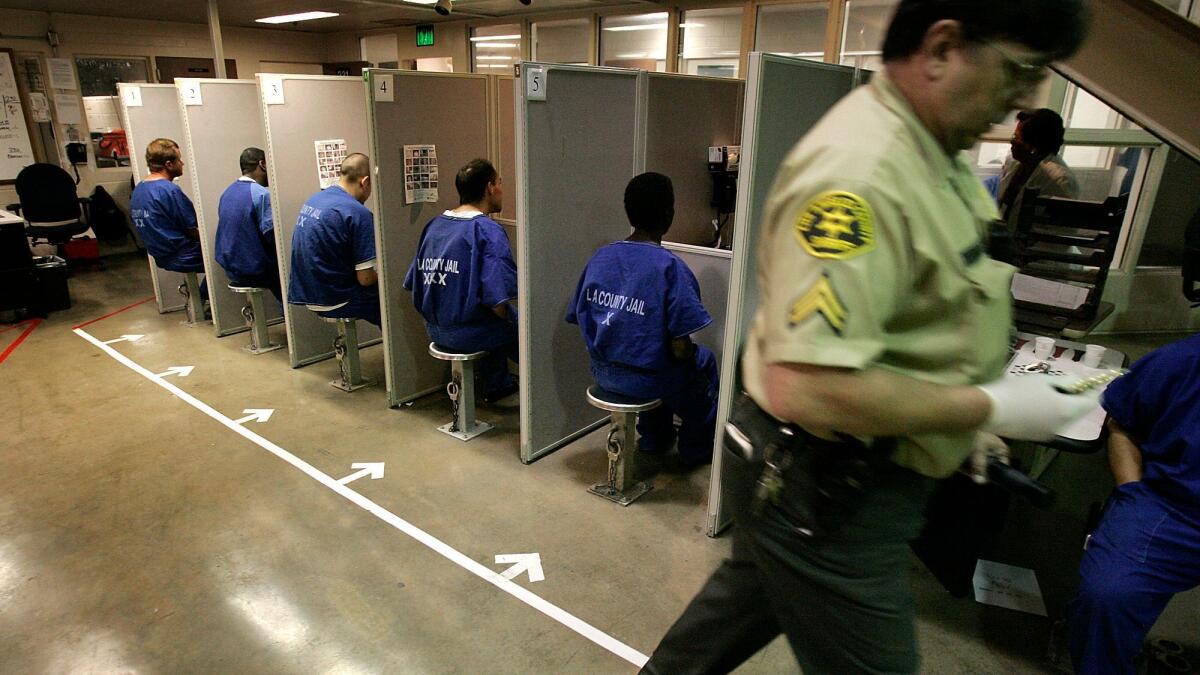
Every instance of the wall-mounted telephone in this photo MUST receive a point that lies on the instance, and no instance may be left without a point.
(77, 153)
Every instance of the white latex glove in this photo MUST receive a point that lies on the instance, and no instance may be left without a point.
(1026, 407)
(985, 447)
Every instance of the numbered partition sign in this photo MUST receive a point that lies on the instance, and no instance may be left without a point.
(535, 85)
(384, 88)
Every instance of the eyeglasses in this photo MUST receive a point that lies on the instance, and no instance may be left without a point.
(1020, 70)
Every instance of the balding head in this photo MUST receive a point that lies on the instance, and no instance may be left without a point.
(356, 176)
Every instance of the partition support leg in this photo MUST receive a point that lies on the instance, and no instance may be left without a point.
(194, 305)
(622, 486)
(465, 426)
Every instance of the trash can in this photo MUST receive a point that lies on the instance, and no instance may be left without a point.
(53, 293)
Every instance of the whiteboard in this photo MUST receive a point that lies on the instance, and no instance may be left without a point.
(16, 150)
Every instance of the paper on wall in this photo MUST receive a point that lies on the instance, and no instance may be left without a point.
(62, 74)
(67, 108)
(39, 107)
(420, 174)
(330, 154)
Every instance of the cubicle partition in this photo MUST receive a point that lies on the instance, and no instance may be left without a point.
(298, 111)
(220, 119)
(684, 116)
(150, 111)
(503, 151)
(448, 111)
(711, 267)
(776, 117)
(577, 145)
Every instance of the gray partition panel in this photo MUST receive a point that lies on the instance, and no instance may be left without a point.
(314, 108)
(684, 116)
(449, 111)
(156, 117)
(504, 111)
(785, 97)
(711, 267)
(226, 121)
(576, 150)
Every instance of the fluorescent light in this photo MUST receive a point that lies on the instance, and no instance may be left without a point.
(493, 65)
(691, 25)
(488, 38)
(302, 16)
(496, 45)
(641, 55)
(486, 57)
(648, 26)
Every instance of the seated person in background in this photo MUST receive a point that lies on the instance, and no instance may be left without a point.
(246, 227)
(637, 304)
(164, 216)
(464, 276)
(333, 248)
(1147, 545)
(1034, 164)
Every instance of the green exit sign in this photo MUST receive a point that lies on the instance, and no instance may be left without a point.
(425, 35)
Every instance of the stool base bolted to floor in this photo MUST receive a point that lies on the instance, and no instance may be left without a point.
(345, 348)
(256, 319)
(194, 304)
(622, 485)
(461, 389)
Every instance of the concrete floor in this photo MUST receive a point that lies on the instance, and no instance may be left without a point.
(138, 534)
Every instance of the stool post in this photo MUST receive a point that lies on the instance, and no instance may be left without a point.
(348, 360)
(624, 474)
(464, 371)
(191, 292)
(260, 339)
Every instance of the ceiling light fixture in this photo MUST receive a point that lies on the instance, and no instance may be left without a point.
(493, 38)
(302, 16)
(495, 45)
(487, 57)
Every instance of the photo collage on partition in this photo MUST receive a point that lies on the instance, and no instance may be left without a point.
(420, 174)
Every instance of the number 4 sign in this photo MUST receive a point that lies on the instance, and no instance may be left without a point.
(384, 88)
(535, 84)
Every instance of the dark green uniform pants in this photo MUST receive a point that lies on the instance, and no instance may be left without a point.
(843, 602)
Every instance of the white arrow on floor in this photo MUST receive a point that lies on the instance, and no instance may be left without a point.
(182, 371)
(125, 338)
(522, 562)
(372, 469)
(256, 415)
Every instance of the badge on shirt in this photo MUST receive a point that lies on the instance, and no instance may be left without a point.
(836, 225)
(820, 299)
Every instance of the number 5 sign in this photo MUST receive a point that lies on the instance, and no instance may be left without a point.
(535, 84)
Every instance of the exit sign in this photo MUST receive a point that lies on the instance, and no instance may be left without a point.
(425, 35)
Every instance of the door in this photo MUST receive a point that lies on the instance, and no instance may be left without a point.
(171, 67)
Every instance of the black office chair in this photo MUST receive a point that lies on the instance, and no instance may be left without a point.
(1191, 261)
(53, 210)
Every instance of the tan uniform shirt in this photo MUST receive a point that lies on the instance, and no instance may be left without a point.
(872, 256)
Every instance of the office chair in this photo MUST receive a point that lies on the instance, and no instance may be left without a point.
(53, 210)
(1191, 261)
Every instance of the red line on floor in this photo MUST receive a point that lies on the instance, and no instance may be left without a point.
(33, 323)
(15, 326)
(139, 302)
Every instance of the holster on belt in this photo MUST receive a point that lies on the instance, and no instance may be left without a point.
(825, 481)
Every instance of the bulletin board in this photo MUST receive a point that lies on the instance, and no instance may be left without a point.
(16, 148)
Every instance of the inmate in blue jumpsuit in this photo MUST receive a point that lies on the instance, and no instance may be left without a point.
(246, 236)
(1147, 545)
(163, 214)
(333, 240)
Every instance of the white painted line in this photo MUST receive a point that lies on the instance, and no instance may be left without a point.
(372, 469)
(551, 610)
(523, 562)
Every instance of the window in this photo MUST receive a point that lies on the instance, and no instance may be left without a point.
(495, 49)
(792, 30)
(863, 32)
(634, 41)
(1177, 203)
(99, 75)
(566, 41)
(710, 41)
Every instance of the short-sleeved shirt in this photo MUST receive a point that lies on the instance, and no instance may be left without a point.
(632, 300)
(334, 239)
(1051, 178)
(873, 257)
(1158, 404)
(245, 227)
(463, 268)
(163, 215)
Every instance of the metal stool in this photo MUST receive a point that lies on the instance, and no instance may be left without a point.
(461, 389)
(622, 486)
(190, 290)
(345, 347)
(256, 319)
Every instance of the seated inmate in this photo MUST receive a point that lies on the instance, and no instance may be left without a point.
(164, 216)
(333, 248)
(246, 227)
(637, 304)
(463, 279)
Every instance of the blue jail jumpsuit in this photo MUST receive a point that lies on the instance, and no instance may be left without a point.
(246, 236)
(334, 239)
(163, 214)
(463, 268)
(1147, 545)
(632, 300)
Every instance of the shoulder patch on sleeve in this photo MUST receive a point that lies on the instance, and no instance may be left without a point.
(836, 225)
(820, 299)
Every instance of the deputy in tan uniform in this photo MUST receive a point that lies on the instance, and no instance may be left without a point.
(879, 316)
